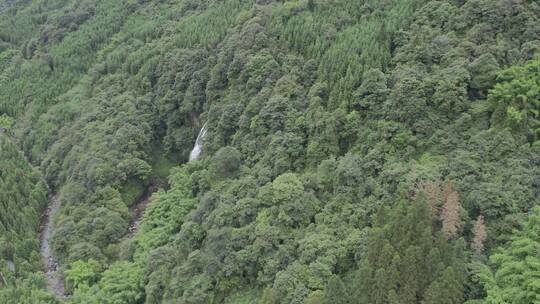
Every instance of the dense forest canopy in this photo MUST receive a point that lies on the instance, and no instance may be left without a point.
(23, 196)
(354, 151)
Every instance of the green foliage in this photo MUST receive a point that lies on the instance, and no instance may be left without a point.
(161, 165)
(318, 113)
(6, 122)
(516, 99)
(315, 297)
(407, 261)
(243, 297)
(483, 71)
(131, 191)
(226, 162)
(121, 283)
(268, 297)
(23, 196)
(516, 275)
(336, 292)
(29, 290)
(82, 273)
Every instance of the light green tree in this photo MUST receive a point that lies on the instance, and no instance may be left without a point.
(515, 277)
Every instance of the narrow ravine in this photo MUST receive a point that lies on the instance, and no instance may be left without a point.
(137, 210)
(53, 273)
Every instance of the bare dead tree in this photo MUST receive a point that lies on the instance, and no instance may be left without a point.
(480, 235)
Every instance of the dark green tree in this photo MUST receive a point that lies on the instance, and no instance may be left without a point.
(336, 292)
(226, 162)
(401, 263)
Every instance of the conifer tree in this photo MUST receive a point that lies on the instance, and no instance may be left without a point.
(405, 265)
(516, 276)
(336, 292)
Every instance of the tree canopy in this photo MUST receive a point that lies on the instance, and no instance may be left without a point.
(355, 151)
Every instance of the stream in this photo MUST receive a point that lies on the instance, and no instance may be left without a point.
(53, 273)
(55, 280)
(137, 210)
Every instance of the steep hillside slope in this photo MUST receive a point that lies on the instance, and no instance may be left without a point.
(23, 196)
(355, 151)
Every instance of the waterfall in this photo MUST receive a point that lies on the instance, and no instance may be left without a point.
(198, 144)
(11, 265)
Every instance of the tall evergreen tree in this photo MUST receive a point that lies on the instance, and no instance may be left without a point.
(516, 276)
(336, 292)
(403, 269)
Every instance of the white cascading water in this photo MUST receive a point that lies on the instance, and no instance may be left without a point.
(198, 144)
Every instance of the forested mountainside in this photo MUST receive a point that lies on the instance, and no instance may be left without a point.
(352, 151)
(23, 197)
